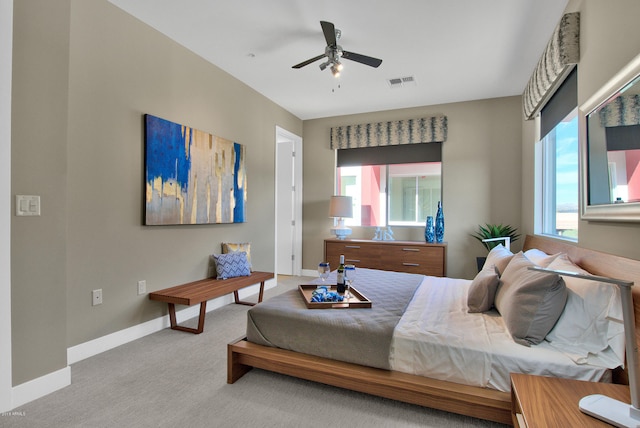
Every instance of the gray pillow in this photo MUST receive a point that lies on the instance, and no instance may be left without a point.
(530, 302)
(500, 257)
(483, 290)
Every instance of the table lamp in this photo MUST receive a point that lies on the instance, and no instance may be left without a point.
(599, 406)
(506, 239)
(340, 207)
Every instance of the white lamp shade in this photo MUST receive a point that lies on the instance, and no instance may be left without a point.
(340, 206)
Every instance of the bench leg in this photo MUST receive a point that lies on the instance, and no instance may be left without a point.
(175, 326)
(242, 302)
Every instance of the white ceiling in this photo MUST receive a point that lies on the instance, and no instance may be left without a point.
(457, 50)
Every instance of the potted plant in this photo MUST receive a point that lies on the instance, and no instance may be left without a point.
(489, 231)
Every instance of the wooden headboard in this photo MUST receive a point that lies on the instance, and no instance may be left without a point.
(597, 263)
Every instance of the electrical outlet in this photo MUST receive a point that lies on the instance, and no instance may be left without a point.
(142, 287)
(96, 297)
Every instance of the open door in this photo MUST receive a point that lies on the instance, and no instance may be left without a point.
(288, 251)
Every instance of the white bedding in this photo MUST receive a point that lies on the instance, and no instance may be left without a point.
(436, 337)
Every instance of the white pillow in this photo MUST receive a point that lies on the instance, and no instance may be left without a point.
(539, 257)
(592, 318)
(500, 257)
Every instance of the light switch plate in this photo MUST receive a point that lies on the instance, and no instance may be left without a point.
(96, 297)
(27, 205)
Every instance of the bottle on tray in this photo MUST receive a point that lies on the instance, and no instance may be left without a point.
(341, 282)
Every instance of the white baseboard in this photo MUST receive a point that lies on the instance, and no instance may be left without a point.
(309, 272)
(44, 385)
(39, 387)
(96, 346)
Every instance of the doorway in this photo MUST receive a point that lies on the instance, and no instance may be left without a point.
(288, 242)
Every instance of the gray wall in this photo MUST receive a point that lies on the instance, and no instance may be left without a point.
(85, 73)
(609, 39)
(39, 167)
(481, 162)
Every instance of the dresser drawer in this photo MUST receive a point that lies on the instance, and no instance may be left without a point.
(415, 259)
(399, 256)
(354, 254)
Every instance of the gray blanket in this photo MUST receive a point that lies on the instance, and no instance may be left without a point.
(361, 336)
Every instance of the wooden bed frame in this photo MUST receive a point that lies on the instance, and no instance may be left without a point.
(473, 401)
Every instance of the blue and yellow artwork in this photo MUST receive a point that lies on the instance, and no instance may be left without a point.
(192, 177)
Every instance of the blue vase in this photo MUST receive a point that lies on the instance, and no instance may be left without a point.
(439, 224)
(429, 233)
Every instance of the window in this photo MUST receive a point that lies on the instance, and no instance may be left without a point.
(414, 192)
(391, 195)
(557, 168)
(390, 185)
(559, 154)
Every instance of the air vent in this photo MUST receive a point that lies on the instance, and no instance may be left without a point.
(399, 82)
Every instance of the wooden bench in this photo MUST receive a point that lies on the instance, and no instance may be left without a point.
(200, 291)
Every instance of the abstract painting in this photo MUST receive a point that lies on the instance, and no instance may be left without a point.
(192, 177)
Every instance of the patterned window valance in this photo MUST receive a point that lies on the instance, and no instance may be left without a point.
(409, 131)
(559, 58)
(623, 111)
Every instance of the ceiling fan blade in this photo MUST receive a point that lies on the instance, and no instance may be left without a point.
(363, 59)
(309, 61)
(329, 31)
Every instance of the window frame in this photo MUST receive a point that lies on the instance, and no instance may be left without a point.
(562, 106)
(385, 195)
(545, 212)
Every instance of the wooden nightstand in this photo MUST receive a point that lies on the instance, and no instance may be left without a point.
(538, 401)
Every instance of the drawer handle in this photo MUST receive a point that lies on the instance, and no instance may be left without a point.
(410, 264)
(353, 260)
(411, 249)
(352, 246)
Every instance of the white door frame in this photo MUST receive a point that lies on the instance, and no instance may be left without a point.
(284, 135)
(6, 49)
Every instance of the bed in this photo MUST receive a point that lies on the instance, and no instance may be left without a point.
(484, 395)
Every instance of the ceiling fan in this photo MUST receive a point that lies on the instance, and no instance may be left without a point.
(333, 52)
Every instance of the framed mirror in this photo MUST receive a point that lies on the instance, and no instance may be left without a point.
(610, 149)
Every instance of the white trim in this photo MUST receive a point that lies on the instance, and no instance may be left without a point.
(113, 340)
(6, 52)
(39, 387)
(44, 385)
(309, 272)
(283, 134)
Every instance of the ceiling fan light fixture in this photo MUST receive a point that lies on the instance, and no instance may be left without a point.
(334, 52)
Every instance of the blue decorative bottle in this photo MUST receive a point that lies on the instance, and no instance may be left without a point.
(439, 224)
(429, 233)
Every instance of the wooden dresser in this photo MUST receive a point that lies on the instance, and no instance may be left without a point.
(400, 256)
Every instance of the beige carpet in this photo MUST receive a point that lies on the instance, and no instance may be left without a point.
(177, 379)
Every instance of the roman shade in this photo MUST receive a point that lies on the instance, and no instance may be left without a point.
(558, 59)
(390, 155)
(409, 131)
(563, 101)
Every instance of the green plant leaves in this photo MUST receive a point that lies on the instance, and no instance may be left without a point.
(495, 231)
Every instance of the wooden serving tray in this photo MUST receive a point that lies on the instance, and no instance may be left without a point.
(357, 299)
